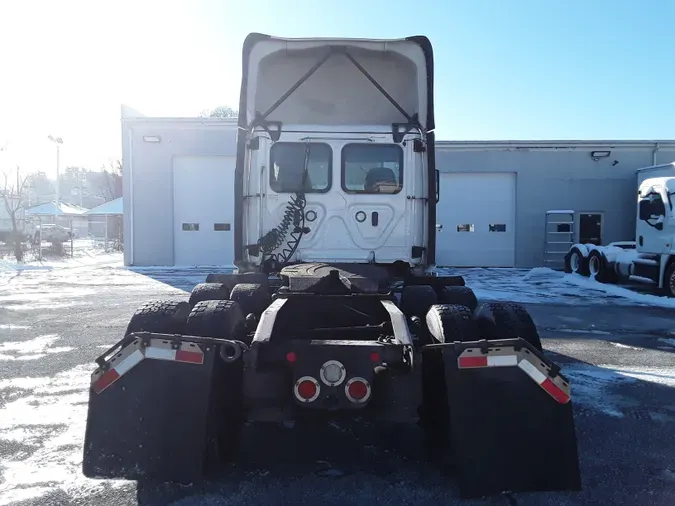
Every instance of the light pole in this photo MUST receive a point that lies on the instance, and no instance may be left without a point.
(58, 141)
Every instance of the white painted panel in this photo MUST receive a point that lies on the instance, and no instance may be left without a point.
(203, 197)
(485, 204)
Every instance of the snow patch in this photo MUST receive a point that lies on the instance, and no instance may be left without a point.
(620, 345)
(32, 349)
(667, 340)
(585, 331)
(51, 419)
(619, 291)
(539, 272)
(591, 387)
(659, 375)
(596, 386)
(11, 326)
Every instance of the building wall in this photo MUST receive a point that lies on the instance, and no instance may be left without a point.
(148, 178)
(563, 178)
(549, 175)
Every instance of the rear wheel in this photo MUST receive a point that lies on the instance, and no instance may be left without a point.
(669, 281)
(209, 291)
(252, 298)
(446, 323)
(451, 322)
(507, 320)
(458, 295)
(417, 299)
(160, 316)
(222, 319)
(576, 262)
(599, 268)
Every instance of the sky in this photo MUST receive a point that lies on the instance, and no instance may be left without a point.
(512, 69)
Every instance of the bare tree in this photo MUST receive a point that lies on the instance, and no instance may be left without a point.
(111, 188)
(12, 192)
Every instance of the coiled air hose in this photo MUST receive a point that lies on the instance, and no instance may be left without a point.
(294, 214)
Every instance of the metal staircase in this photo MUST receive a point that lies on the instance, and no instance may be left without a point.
(559, 239)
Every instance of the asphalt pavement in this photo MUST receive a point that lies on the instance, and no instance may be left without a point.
(53, 323)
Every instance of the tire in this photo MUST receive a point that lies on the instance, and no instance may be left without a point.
(576, 262)
(232, 279)
(458, 295)
(416, 300)
(222, 319)
(448, 323)
(160, 316)
(599, 268)
(669, 281)
(507, 320)
(209, 291)
(251, 297)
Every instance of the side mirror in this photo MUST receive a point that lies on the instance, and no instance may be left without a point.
(658, 226)
(438, 186)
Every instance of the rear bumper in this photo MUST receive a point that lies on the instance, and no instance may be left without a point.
(272, 371)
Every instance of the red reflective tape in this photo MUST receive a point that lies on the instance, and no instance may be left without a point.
(465, 362)
(192, 357)
(555, 391)
(106, 380)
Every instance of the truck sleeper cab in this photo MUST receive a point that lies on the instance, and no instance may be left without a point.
(336, 196)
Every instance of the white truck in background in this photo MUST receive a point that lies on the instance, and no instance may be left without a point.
(650, 258)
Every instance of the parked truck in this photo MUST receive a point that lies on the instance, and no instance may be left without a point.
(648, 258)
(335, 309)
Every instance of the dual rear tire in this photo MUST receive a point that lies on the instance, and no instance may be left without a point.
(222, 319)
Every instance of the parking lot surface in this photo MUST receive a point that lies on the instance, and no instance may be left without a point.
(616, 346)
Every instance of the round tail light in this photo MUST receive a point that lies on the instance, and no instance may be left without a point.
(332, 373)
(357, 390)
(306, 389)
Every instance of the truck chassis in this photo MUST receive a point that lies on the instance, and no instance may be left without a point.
(169, 400)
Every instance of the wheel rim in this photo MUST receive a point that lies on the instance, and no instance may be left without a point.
(575, 262)
(671, 284)
(594, 266)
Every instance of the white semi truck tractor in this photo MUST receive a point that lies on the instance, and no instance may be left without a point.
(647, 259)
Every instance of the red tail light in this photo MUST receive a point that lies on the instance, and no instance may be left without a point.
(306, 389)
(357, 390)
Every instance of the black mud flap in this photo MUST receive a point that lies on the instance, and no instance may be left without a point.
(511, 421)
(154, 407)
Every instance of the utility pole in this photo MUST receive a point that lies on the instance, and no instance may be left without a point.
(58, 141)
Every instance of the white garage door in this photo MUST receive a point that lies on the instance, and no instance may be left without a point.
(203, 209)
(477, 214)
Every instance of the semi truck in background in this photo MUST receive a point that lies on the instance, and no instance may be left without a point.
(649, 256)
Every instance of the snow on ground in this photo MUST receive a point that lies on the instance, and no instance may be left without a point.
(45, 418)
(544, 285)
(597, 386)
(85, 253)
(32, 349)
(625, 346)
(96, 267)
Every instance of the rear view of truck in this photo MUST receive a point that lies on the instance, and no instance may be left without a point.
(335, 310)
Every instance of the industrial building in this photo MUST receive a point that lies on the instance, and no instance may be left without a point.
(502, 203)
